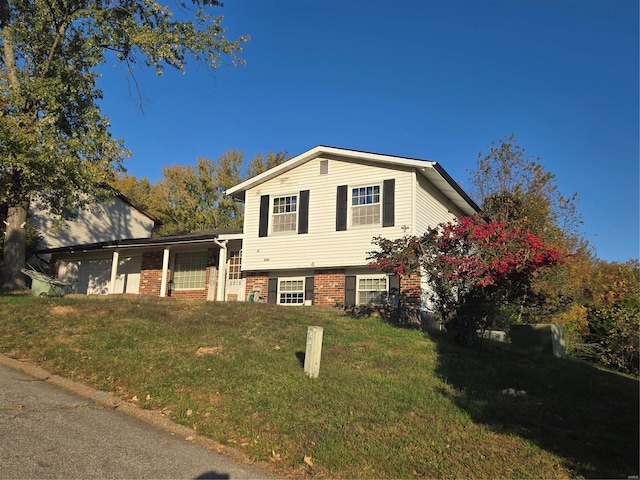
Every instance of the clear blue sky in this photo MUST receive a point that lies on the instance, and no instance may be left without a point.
(431, 79)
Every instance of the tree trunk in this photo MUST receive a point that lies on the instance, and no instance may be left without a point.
(15, 248)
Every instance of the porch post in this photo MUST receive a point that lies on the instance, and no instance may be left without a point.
(222, 268)
(114, 271)
(165, 269)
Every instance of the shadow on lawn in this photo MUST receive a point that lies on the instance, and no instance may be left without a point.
(586, 415)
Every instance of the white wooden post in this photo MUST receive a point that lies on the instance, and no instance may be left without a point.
(165, 269)
(222, 268)
(115, 259)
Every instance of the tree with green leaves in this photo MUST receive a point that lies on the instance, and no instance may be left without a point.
(138, 190)
(193, 198)
(515, 188)
(258, 164)
(54, 140)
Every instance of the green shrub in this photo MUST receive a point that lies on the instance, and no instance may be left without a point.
(615, 328)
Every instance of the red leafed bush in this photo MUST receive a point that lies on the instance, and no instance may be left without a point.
(473, 266)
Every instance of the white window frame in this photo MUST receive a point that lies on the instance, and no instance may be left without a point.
(192, 278)
(371, 278)
(375, 207)
(298, 292)
(276, 217)
(234, 269)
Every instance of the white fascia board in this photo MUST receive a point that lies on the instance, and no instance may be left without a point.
(273, 172)
(449, 188)
(429, 169)
(231, 236)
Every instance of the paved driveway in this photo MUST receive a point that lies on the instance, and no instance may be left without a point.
(47, 431)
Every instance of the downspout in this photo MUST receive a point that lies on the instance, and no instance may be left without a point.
(222, 267)
(165, 269)
(114, 271)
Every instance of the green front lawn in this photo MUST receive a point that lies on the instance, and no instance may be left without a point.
(389, 402)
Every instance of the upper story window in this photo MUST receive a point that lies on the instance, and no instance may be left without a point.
(284, 214)
(365, 205)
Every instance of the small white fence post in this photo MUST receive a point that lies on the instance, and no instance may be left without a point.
(313, 352)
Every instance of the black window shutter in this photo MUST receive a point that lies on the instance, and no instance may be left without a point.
(272, 291)
(308, 289)
(303, 212)
(388, 203)
(263, 227)
(349, 290)
(341, 208)
(394, 284)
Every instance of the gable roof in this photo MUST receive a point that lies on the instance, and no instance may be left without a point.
(432, 171)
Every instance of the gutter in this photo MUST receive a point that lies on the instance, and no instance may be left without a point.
(443, 173)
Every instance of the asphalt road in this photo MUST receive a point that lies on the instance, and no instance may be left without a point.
(51, 428)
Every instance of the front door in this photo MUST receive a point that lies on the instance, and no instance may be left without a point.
(235, 290)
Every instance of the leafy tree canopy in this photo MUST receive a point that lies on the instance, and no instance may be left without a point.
(192, 198)
(514, 188)
(54, 140)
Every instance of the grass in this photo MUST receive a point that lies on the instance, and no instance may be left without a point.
(389, 402)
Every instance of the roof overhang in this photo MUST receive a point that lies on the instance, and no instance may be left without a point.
(211, 236)
(432, 171)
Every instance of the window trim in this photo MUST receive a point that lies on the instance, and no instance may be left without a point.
(234, 265)
(272, 214)
(376, 276)
(302, 290)
(351, 206)
(174, 270)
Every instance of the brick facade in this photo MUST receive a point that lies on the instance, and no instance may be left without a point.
(328, 287)
(151, 273)
(151, 276)
(257, 281)
(411, 290)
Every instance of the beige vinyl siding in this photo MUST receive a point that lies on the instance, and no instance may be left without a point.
(432, 208)
(322, 246)
(117, 220)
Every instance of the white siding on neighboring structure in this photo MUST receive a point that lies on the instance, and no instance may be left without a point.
(322, 246)
(104, 222)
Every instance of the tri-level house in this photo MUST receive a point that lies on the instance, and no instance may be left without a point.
(309, 224)
(308, 230)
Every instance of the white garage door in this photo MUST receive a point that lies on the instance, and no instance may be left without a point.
(94, 276)
(128, 279)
